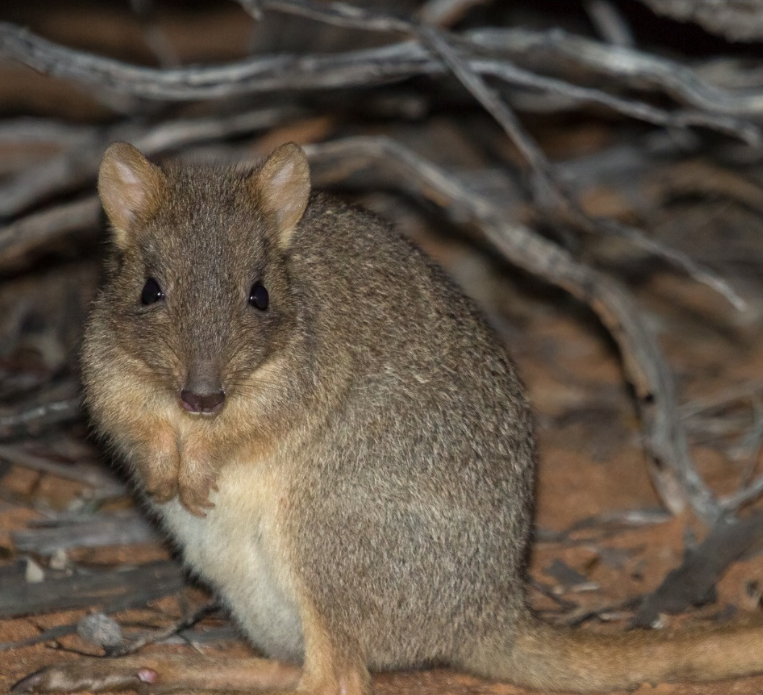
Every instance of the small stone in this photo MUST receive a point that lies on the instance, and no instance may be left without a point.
(99, 629)
(59, 560)
(34, 574)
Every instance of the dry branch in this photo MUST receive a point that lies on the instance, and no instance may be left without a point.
(693, 582)
(609, 22)
(741, 20)
(79, 163)
(493, 103)
(733, 502)
(712, 107)
(631, 67)
(44, 636)
(41, 130)
(50, 412)
(101, 530)
(99, 478)
(181, 628)
(112, 590)
(443, 13)
(155, 636)
(440, 43)
(39, 229)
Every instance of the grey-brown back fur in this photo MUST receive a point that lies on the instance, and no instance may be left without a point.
(422, 477)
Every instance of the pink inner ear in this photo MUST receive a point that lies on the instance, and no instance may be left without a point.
(132, 190)
(127, 175)
(283, 176)
(129, 186)
(284, 184)
(284, 187)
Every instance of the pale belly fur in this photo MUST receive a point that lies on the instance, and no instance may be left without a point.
(226, 549)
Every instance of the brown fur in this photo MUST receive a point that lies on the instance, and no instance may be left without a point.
(363, 499)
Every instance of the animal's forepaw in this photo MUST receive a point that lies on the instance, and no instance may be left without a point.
(95, 675)
(195, 501)
(160, 477)
(162, 492)
(196, 483)
(195, 498)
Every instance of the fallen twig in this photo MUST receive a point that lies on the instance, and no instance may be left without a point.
(694, 581)
(98, 531)
(113, 590)
(99, 478)
(751, 445)
(585, 613)
(44, 636)
(48, 413)
(133, 645)
(732, 503)
(609, 22)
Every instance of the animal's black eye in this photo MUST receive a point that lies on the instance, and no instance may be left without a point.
(151, 293)
(258, 296)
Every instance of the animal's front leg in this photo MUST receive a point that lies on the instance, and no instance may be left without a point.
(157, 464)
(197, 475)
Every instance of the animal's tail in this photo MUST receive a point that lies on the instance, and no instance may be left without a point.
(546, 657)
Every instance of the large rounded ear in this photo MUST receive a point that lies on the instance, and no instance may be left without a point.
(130, 188)
(282, 186)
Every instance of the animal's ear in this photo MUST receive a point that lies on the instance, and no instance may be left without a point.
(282, 185)
(130, 188)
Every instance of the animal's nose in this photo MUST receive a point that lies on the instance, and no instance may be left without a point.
(202, 403)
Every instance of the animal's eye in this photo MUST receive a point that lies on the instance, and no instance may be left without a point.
(151, 293)
(258, 296)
